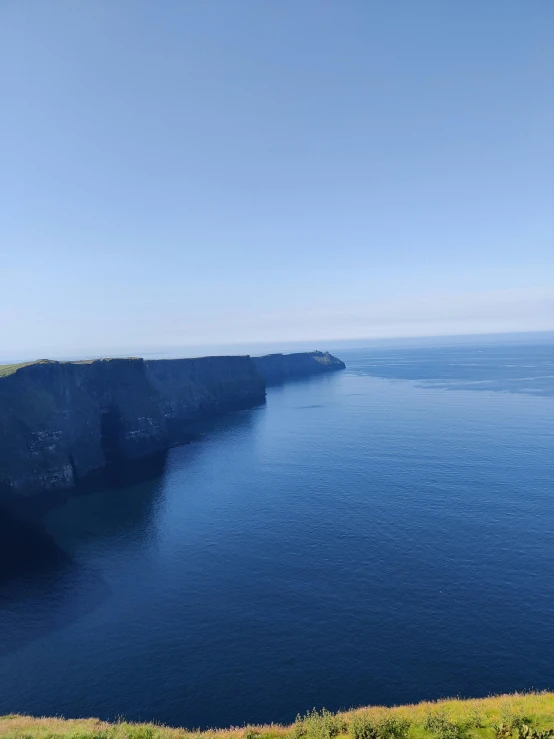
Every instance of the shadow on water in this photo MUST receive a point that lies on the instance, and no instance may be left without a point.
(38, 584)
(25, 548)
(212, 426)
(43, 586)
(323, 377)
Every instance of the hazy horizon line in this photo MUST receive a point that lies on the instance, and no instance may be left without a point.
(248, 347)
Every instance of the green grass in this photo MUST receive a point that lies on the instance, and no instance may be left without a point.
(9, 369)
(518, 716)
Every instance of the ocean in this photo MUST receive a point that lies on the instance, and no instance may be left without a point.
(380, 535)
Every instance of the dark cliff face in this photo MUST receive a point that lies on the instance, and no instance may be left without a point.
(277, 368)
(62, 422)
(194, 389)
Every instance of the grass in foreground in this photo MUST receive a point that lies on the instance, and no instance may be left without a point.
(518, 716)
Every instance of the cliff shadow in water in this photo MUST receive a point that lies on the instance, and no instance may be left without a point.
(212, 425)
(38, 584)
(25, 548)
(322, 377)
(43, 586)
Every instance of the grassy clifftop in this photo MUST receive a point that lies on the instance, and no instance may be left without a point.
(9, 369)
(526, 716)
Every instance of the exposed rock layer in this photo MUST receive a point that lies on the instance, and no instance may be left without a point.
(62, 422)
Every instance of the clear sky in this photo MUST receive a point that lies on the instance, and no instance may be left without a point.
(217, 171)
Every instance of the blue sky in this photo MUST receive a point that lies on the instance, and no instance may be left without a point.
(208, 172)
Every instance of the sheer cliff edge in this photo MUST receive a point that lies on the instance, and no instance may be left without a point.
(278, 368)
(61, 423)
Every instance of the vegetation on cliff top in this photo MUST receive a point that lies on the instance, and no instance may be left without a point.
(9, 369)
(518, 716)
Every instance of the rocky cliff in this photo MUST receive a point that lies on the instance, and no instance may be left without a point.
(194, 389)
(277, 368)
(62, 422)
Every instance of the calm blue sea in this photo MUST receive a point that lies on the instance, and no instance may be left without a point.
(378, 535)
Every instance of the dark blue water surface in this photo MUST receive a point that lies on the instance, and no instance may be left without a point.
(378, 535)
